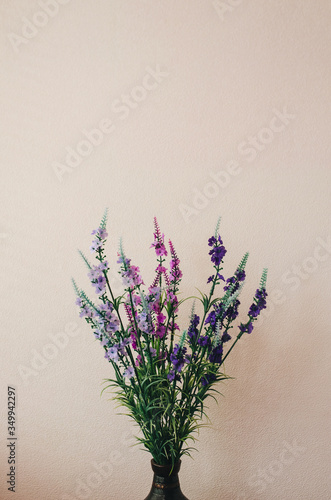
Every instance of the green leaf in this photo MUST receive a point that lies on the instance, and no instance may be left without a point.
(85, 259)
(104, 219)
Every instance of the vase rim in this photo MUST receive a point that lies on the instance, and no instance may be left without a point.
(164, 470)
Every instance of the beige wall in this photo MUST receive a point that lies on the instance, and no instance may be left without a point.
(228, 114)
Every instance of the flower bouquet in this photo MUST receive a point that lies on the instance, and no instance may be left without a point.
(163, 375)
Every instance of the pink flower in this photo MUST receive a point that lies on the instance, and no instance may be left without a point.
(161, 318)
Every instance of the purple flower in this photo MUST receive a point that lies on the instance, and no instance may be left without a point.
(193, 331)
(179, 357)
(161, 318)
(96, 271)
(97, 333)
(107, 306)
(175, 273)
(208, 378)
(93, 273)
(172, 375)
(86, 312)
(259, 303)
(241, 275)
(232, 311)
(217, 254)
(230, 282)
(123, 260)
(219, 277)
(142, 322)
(112, 354)
(218, 251)
(211, 318)
(261, 294)
(160, 331)
(100, 284)
(160, 248)
(204, 341)
(158, 242)
(172, 299)
(129, 372)
(103, 265)
(96, 244)
(160, 269)
(225, 337)
(178, 363)
(100, 233)
(254, 311)
(136, 300)
(131, 276)
(213, 241)
(216, 354)
(153, 351)
(154, 294)
(121, 348)
(112, 325)
(246, 328)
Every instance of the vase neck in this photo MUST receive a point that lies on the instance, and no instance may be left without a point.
(166, 471)
(166, 483)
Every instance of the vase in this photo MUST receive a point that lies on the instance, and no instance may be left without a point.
(165, 485)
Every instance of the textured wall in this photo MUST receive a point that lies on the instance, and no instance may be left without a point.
(202, 109)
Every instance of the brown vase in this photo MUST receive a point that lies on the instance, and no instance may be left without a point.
(165, 485)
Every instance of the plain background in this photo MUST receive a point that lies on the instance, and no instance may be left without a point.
(234, 122)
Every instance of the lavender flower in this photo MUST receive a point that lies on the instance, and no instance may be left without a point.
(259, 303)
(96, 244)
(219, 277)
(225, 337)
(97, 333)
(230, 281)
(112, 354)
(232, 312)
(173, 375)
(248, 327)
(158, 242)
(175, 273)
(216, 354)
(79, 302)
(193, 331)
(152, 351)
(218, 251)
(104, 342)
(128, 372)
(131, 277)
(208, 379)
(217, 254)
(99, 284)
(240, 274)
(86, 312)
(204, 341)
(179, 357)
(101, 233)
